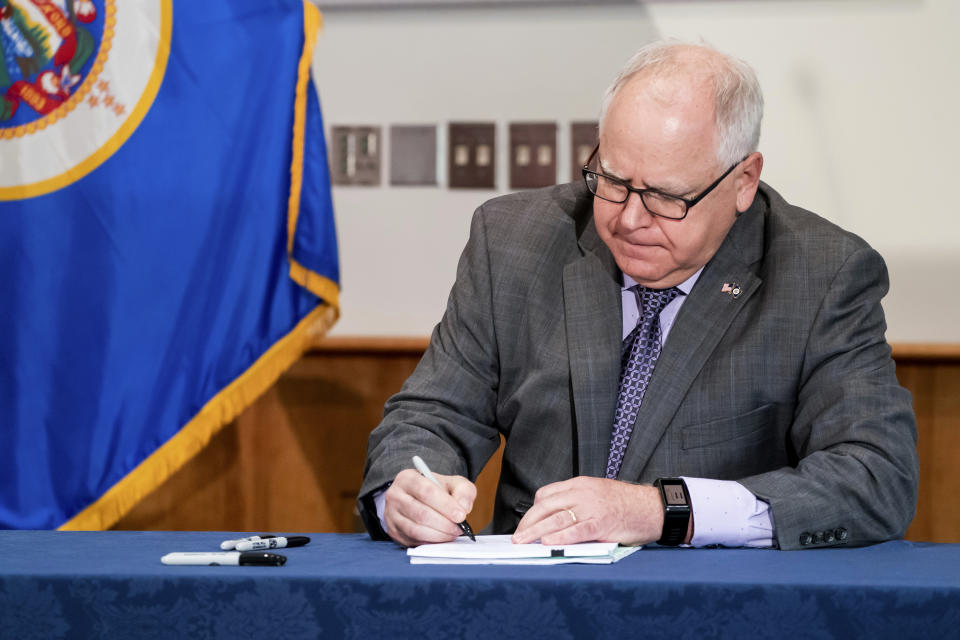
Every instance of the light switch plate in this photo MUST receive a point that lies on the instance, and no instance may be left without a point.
(533, 155)
(356, 155)
(472, 155)
(583, 138)
(413, 155)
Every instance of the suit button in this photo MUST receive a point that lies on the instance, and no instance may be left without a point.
(805, 538)
(841, 533)
(828, 536)
(817, 537)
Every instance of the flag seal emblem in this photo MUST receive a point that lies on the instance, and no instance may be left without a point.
(76, 78)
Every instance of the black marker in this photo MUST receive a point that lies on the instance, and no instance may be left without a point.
(217, 558)
(272, 543)
(228, 545)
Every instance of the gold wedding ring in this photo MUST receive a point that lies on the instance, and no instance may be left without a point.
(572, 515)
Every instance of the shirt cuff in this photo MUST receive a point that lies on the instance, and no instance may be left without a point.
(380, 501)
(726, 513)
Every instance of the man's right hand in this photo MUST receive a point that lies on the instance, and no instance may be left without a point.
(416, 511)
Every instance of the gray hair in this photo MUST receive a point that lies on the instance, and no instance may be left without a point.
(738, 99)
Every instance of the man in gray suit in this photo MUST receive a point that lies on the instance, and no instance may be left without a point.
(670, 321)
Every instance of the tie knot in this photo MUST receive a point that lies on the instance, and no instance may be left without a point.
(652, 301)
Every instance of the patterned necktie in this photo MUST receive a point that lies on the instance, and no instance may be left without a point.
(637, 360)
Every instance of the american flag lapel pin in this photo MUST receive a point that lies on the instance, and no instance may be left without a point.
(732, 288)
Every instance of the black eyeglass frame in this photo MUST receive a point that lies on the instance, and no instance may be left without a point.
(688, 202)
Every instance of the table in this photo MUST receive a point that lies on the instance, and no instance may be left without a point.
(112, 584)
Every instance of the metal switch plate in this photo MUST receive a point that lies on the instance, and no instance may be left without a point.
(583, 138)
(472, 155)
(356, 155)
(533, 155)
(413, 155)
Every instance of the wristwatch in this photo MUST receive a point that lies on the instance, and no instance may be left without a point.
(676, 510)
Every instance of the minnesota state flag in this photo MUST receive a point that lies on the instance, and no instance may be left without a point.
(167, 242)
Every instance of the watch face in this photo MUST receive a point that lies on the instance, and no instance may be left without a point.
(674, 494)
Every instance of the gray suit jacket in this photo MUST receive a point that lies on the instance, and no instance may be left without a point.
(788, 388)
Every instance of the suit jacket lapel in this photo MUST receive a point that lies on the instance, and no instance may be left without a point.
(703, 319)
(591, 299)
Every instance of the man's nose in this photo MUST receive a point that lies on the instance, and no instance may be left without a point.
(635, 214)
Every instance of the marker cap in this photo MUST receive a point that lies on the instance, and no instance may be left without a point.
(261, 558)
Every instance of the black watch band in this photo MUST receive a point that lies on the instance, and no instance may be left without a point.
(676, 510)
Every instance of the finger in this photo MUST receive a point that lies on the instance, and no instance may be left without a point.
(542, 509)
(581, 531)
(561, 495)
(428, 493)
(412, 508)
(400, 500)
(461, 489)
(553, 489)
(410, 533)
(548, 500)
(556, 521)
(530, 519)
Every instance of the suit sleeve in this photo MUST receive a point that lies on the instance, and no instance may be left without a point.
(446, 411)
(854, 431)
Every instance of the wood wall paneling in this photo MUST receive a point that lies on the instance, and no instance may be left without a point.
(293, 460)
(935, 385)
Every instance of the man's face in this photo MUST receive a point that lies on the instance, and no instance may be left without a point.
(660, 134)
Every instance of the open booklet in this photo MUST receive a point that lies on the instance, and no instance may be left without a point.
(499, 550)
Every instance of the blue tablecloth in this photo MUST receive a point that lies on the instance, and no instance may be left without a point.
(112, 584)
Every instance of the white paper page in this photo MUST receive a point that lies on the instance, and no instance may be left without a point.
(499, 550)
(618, 554)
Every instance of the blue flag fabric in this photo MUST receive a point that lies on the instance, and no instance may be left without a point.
(167, 243)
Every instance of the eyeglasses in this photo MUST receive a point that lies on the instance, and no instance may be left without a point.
(658, 203)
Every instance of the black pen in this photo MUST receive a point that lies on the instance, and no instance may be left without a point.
(426, 473)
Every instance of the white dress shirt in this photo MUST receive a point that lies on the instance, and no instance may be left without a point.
(724, 512)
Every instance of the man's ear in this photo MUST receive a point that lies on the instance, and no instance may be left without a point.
(748, 179)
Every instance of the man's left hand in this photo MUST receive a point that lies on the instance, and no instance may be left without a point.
(586, 509)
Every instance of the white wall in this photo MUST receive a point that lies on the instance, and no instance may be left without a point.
(859, 128)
